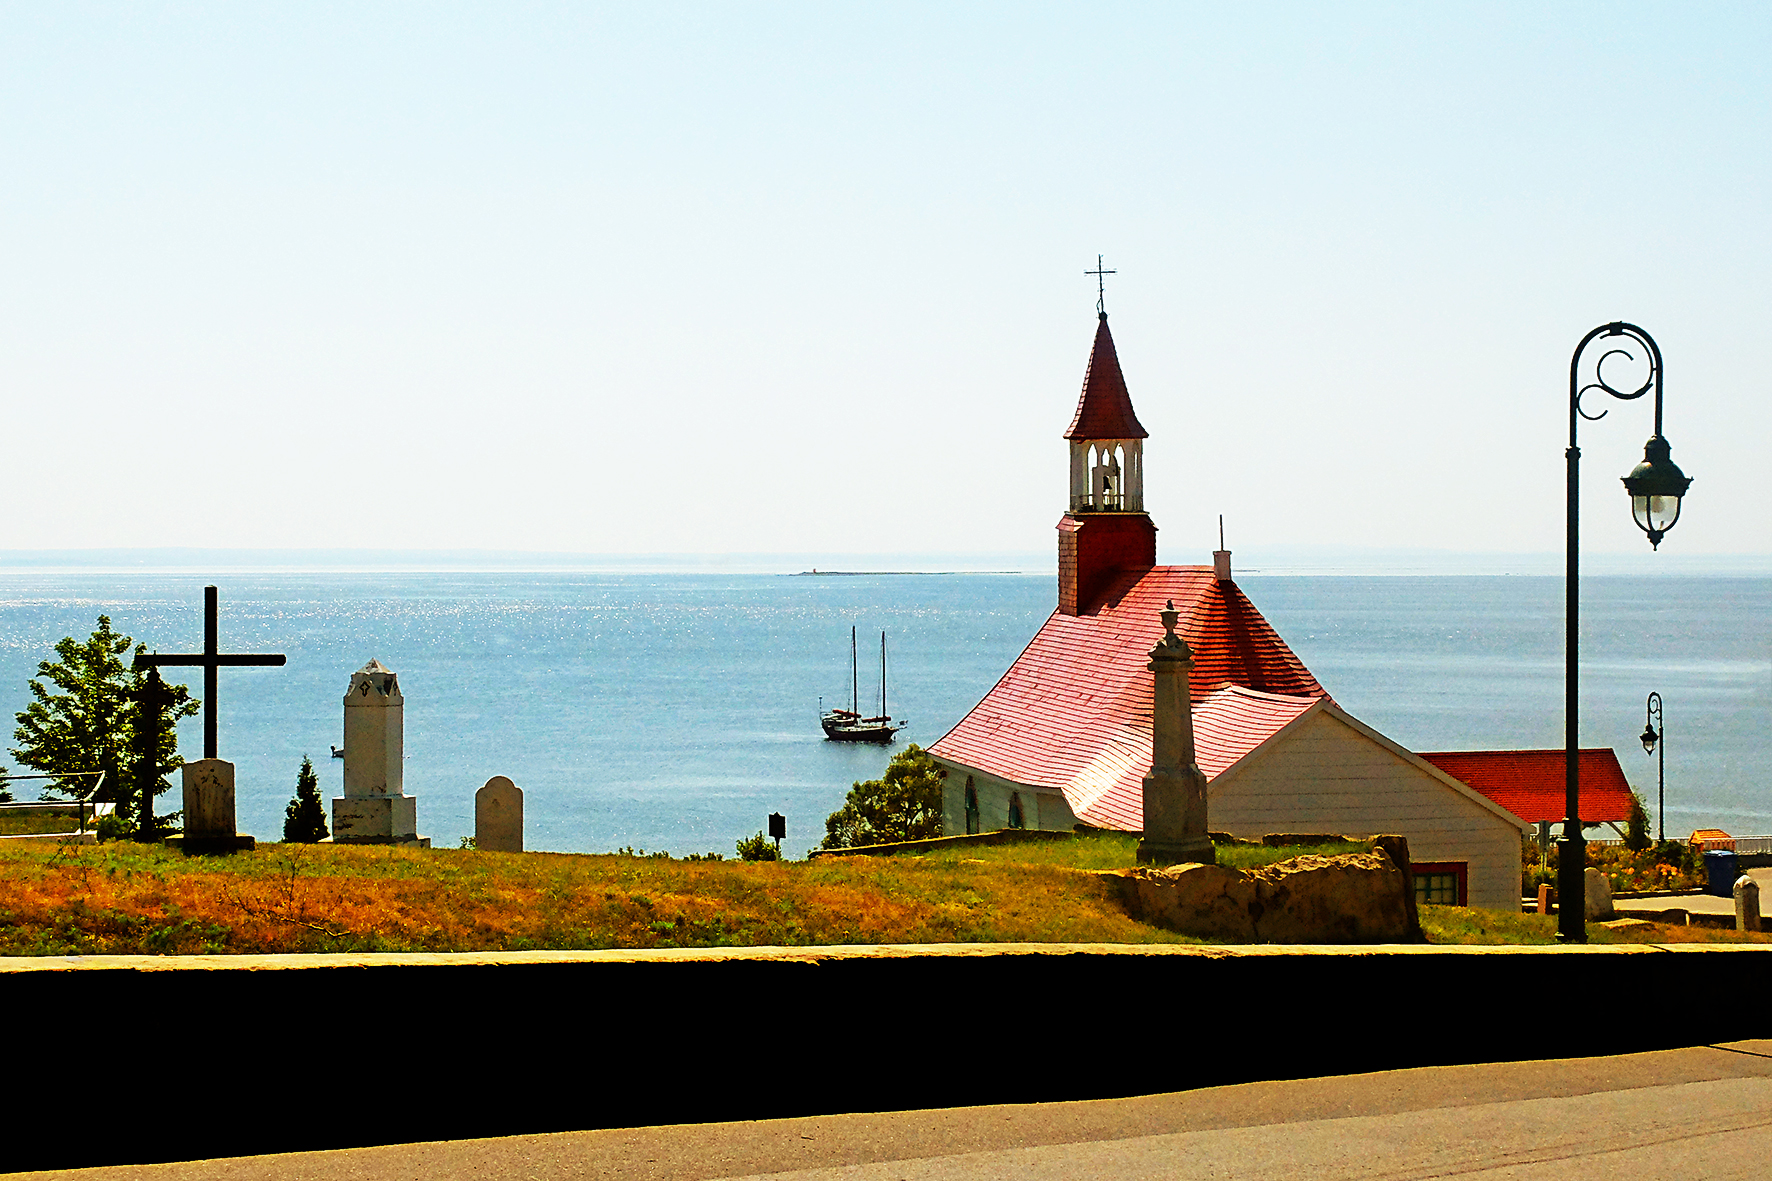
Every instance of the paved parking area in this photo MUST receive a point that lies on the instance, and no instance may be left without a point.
(1699, 1112)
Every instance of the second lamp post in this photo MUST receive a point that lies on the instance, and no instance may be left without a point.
(1654, 735)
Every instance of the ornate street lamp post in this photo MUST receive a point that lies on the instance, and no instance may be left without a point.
(1656, 487)
(1654, 731)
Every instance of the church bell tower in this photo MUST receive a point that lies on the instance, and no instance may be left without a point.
(1106, 528)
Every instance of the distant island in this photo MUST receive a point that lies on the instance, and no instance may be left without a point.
(856, 573)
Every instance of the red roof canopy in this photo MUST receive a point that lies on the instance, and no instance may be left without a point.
(1529, 783)
(1105, 409)
(1074, 711)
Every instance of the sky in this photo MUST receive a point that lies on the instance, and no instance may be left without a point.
(633, 279)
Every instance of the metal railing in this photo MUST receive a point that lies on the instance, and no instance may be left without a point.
(1727, 844)
(81, 808)
(1108, 502)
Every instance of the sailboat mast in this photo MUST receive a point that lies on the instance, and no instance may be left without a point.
(882, 674)
(854, 676)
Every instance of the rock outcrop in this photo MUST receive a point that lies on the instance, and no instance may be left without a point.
(1354, 898)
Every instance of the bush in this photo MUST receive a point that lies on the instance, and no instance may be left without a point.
(304, 821)
(112, 827)
(902, 805)
(757, 848)
(1636, 829)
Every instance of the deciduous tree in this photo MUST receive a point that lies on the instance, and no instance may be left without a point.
(902, 805)
(83, 717)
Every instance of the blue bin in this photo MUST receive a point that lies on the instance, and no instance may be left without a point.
(1720, 872)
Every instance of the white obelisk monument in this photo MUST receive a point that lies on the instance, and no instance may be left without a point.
(375, 809)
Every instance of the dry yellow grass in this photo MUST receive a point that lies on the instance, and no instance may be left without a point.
(120, 898)
(124, 898)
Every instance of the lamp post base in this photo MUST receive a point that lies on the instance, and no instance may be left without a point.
(1196, 852)
(1571, 887)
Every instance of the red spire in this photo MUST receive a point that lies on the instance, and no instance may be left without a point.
(1105, 409)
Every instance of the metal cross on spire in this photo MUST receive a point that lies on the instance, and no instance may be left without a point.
(1100, 285)
(209, 660)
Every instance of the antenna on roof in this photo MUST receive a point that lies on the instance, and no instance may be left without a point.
(1100, 285)
(1220, 530)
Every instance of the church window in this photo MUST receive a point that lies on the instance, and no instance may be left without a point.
(971, 807)
(1016, 820)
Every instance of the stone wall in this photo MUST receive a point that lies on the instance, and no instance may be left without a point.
(1353, 898)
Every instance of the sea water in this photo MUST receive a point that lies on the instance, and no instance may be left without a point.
(676, 711)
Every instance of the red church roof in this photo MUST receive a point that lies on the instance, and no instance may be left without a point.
(1529, 783)
(1105, 409)
(1073, 712)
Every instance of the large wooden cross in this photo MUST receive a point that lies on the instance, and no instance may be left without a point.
(209, 660)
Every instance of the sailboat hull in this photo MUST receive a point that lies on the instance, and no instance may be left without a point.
(844, 729)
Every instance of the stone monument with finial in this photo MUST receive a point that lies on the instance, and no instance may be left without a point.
(375, 809)
(1175, 790)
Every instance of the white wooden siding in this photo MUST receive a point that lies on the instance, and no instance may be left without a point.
(1040, 807)
(1324, 776)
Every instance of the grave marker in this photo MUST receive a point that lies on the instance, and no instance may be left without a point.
(375, 810)
(1175, 790)
(208, 782)
(210, 659)
(498, 816)
(1747, 904)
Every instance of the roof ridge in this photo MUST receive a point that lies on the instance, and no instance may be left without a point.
(1524, 750)
(1245, 690)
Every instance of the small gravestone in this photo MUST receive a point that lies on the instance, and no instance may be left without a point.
(498, 816)
(375, 809)
(1747, 904)
(1599, 893)
(209, 809)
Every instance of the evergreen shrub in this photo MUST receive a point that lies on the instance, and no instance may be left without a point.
(304, 821)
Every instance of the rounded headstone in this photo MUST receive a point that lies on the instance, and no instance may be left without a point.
(498, 816)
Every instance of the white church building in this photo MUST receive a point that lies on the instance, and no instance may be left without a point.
(1065, 736)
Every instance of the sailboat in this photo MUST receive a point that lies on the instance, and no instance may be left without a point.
(847, 725)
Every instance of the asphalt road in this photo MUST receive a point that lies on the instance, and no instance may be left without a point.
(1699, 1112)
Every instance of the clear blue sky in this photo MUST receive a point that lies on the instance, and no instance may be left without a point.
(642, 278)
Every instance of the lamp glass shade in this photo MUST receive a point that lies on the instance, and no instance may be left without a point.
(1655, 514)
(1650, 738)
(1656, 487)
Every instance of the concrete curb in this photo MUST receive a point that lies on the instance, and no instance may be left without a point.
(831, 953)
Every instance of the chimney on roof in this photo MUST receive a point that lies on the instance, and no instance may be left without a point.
(1221, 557)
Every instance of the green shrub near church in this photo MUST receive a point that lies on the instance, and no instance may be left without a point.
(904, 804)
